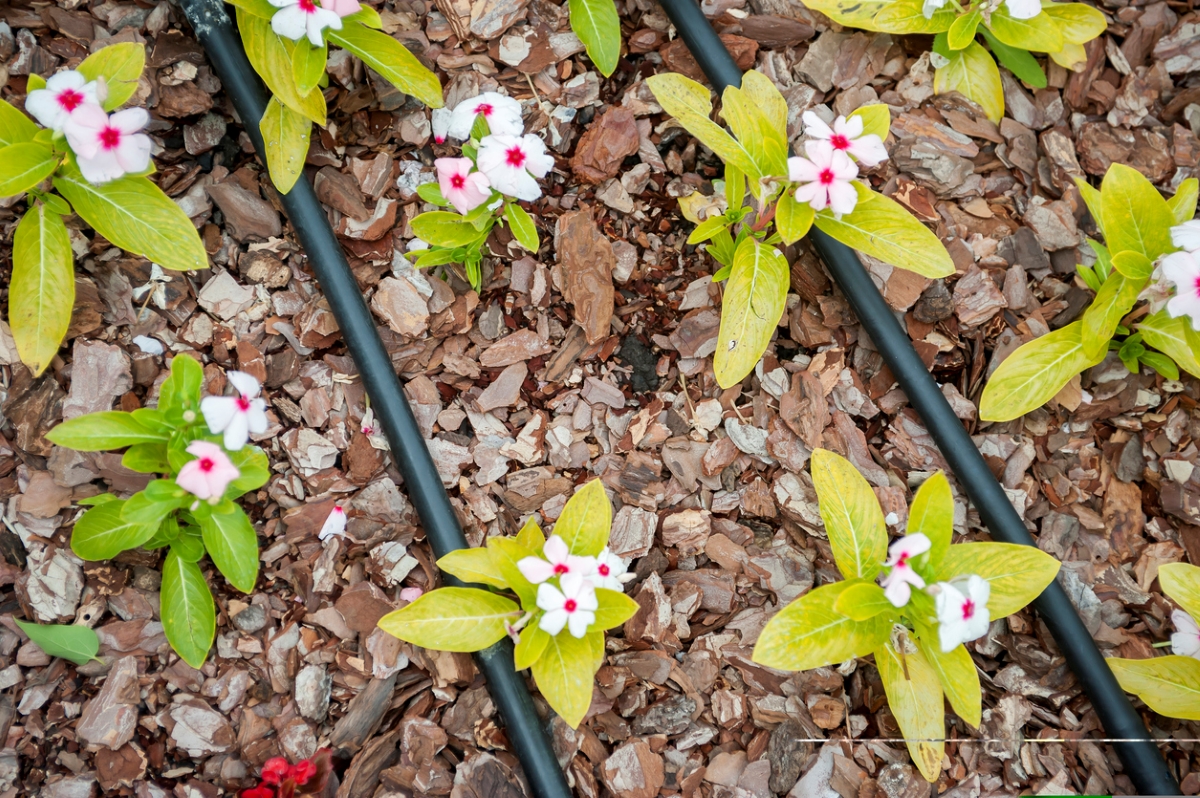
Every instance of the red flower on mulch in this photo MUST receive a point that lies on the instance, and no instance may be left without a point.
(283, 780)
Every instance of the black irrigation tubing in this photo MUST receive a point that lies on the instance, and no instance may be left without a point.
(1143, 762)
(528, 736)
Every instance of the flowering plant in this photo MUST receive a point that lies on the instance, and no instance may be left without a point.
(1168, 684)
(499, 166)
(569, 590)
(312, 776)
(818, 188)
(1152, 248)
(84, 160)
(932, 598)
(287, 42)
(201, 445)
(1011, 28)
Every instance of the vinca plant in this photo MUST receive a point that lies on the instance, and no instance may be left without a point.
(932, 598)
(499, 166)
(80, 158)
(1169, 685)
(793, 194)
(598, 26)
(1151, 254)
(1013, 29)
(288, 41)
(554, 597)
(200, 446)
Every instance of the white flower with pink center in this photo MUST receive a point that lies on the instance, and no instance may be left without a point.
(900, 581)
(1023, 9)
(440, 119)
(610, 572)
(462, 188)
(1182, 269)
(209, 474)
(335, 523)
(503, 115)
(846, 136)
(108, 146)
(65, 93)
(236, 416)
(826, 177)
(558, 561)
(343, 8)
(961, 610)
(1187, 235)
(1186, 640)
(574, 606)
(512, 163)
(297, 19)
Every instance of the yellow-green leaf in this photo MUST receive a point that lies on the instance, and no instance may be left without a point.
(78, 644)
(445, 229)
(754, 301)
(956, 673)
(308, 65)
(1072, 56)
(757, 114)
(974, 74)
(473, 565)
(15, 127)
(120, 65)
(761, 91)
(259, 8)
(586, 520)
(531, 536)
(851, 13)
(189, 617)
(595, 639)
(271, 57)
(932, 514)
(101, 533)
(232, 544)
(461, 619)
(286, 135)
(862, 601)
(962, 32)
(1040, 33)
(598, 26)
(876, 117)
(42, 292)
(852, 516)
(810, 633)
(1032, 375)
(23, 166)
(1091, 198)
(564, 676)
(1183, 204)
(1136, 217)
(1078, 23)
(1017, 574)
(707, 229)
(107, 429)
(906, 16)
(914, 696)
(391, 60)
(1175, 338)
(1115, 298)
(793, 219)
(1169, 685)
(506, 553)
(522, 226)
(530, 645)
(615, 608)
(1181, 582)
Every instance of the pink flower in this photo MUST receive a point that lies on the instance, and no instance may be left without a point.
(236, 416)
(209, 474)
(503, 115)
(847, 136)
(1186, 640)
(902, 578)
(105, 146)
(296, 19)
(609, 572)
(440, 119)
(335, 523)
(64, 94)
(466, 190)
(826, 175)
(512, 163)
(574, 606)
(558, 562)
(411, 594)
(1182, 269)
(962, 610)
(343, 8)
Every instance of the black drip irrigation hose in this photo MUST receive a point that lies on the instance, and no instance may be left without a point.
(528, 736)
(1143, 762)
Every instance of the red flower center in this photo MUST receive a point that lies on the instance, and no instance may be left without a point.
(826, 177)
(207, 464)
(308, 6)
(570, 605)
(839, 141)
(110, 137)
(70, 99)
(560, 569)
(485, 109)
(1197, 286)
(603, 570)
(243, 404)
(458, 181)
(516, 157)
(968, 610)
(903, 561)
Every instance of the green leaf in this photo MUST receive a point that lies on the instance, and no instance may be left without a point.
(810, 633)
(1032, 375)
(852, 516)
(23, 166)
(531, 536)
(598, 26)
(135, 215)
(1183, 204)
(152, 504)
(147, 458)
(462, 619)
(231, 542)
(1115, 298)
(188, 547)
(15, 127)
(1181, 582)
(907, 16)
(757, 114)
(120, 65)
(522, 226)
(707, 229)
(962, 32)
(1078, 23)
(754, 301)
(1133, 265)
(255, 470)
(391, 60)
(445, 229)
(932, 514)
(1020, 62)
(1094, 203)
(271, 57)
(615, 608)
(78, 644)
(506, 553)
(793, 219)
(41, 295)
(972, 73)
(586, 520)
(876, 117)
(1174, 337)
(914, 696)
(851, 13)
(735, 189)
(365, 16)
(101, 533)
(1040, 33)
(189, 617)
(1136, 217)
(862, 601)
(308, 65)
(97, 432)
(882, 228)
(1162, 364)
(180, 392)
(530, 645)
(432, 192)
(286, 136)
(259, 8)
(1017, 574)
(1169, 685)
(956, 673)
(473, 565)
(564, 676)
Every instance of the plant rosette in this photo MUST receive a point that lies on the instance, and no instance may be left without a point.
(1012, 29)
(287, 42)
(931, 597)
(200, 446)
(1151, 257)
(555, 598)
(1168, 685)
(82, 159)
(818, 188)
(499, 167)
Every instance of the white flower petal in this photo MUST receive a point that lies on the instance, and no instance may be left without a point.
(244, 383)
(579, 621)
(1185, 236)
(549, 597)
(290, 22)
(237, 432)
(553, 621)
(218, 411)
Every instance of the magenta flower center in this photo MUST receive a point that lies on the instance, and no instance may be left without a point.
(968, 610)
(826, 177)
(1196, 286)
(903, 560)
(70, 99)
(308, 6)
(839, 141)
(485, 109)
(603, 570)
(243, 404)
(516, 157)
(560, 569)
(458, 181)
(110, 137)
(207, 464)
(570, 605)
